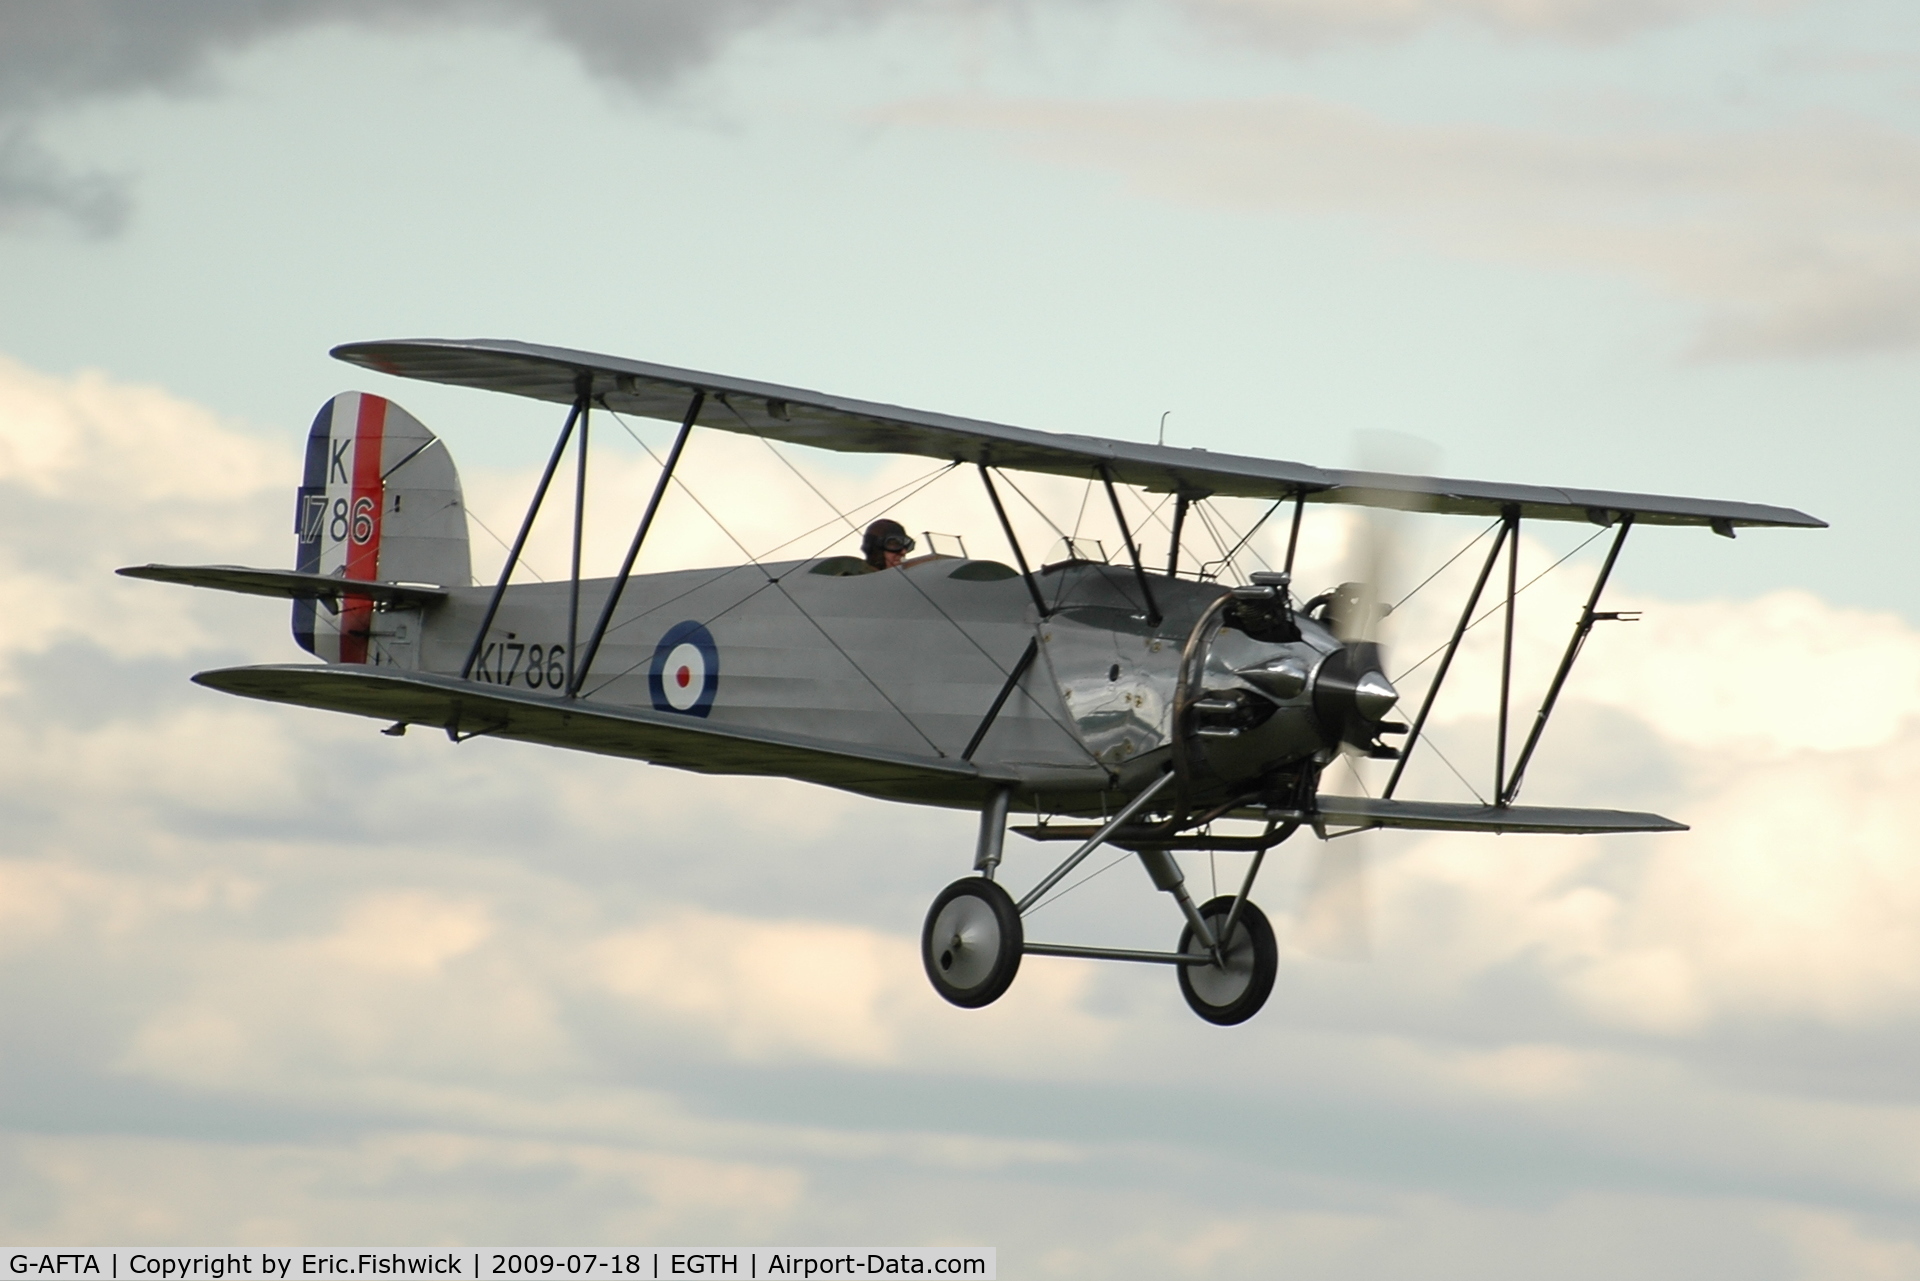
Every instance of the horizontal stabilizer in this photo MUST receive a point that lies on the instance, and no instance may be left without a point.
(464, 709)
(287, 584)
(1445, 816)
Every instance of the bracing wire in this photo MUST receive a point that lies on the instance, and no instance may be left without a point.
(1426, 738)
(828, 637)
(916, 484)
(1037, 508)
(955, 623)
(1153, 514)
(1496, 608)
(1469, 546)
(688, 491)
(831, 506)
(503, 543)
(1080, 517)
(1247, 539)
(1057, 895)
(773, 581)
(1225, 561)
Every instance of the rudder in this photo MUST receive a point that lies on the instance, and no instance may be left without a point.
(379, 501)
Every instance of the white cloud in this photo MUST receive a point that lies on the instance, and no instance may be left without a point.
(96, 475)
(384, 1188)
(778, 990)
(1792, 238)
(268, 975)
(90, 440)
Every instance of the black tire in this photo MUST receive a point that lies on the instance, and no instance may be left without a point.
(972, 942)
(1236, 993)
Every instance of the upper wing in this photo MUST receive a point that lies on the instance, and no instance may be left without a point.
(463, 709)
(854, 426)
(288, 584)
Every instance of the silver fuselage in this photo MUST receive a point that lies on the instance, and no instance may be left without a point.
(908, 659)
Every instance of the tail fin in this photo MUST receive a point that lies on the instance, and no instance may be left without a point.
(380, 501)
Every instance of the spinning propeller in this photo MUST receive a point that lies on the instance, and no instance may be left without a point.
(1334, 918)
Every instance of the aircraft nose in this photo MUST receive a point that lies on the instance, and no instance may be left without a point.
(1374, 695)
(1352, 696)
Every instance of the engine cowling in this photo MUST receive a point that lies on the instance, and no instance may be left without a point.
(1278, 689)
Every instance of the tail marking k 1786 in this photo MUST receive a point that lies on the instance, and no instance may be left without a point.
(341, 501)
(379, 501)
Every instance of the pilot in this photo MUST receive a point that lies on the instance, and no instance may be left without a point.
(886, 544)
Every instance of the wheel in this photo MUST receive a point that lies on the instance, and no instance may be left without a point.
(971, 943)
(1235, 992)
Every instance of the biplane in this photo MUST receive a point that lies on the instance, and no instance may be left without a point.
(1143, 707)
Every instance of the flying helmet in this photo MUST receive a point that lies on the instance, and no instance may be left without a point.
(884, 536)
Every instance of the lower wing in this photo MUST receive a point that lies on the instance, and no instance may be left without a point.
(464, 710)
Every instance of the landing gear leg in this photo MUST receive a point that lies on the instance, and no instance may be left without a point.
(1233, 933)
(993, 832)
(972, 941)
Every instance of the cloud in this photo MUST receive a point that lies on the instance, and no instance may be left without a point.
(161, 1189)
(269, 975)
(803, 989)
(35, 188)
(1793, 239)
(58, 56)
(156, 479)
(54, 57)
(1314, 22)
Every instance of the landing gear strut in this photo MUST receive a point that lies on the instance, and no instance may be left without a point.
(973, 939)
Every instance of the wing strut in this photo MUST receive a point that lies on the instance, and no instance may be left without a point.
(1293, 535)
(579, 528)
(1180, 501)
(1446, 661)
(1133, 548)
(633, 548)
(1588, 617)
(526, 527)
(1033, 588)
(1000, 700)
(1511, 522)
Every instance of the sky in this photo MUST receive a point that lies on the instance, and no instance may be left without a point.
(267, 976)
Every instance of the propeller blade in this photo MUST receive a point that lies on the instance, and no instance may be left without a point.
(1334, 919)
(1375, 552)
(1359, 603)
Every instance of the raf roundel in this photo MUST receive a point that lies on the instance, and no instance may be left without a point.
(685, 673)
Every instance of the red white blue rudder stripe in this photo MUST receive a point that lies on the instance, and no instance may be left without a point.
(380, 501)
